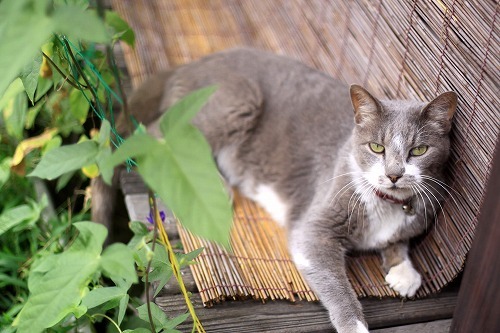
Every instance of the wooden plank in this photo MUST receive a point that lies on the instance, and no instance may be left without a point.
(438, 326)
(281, 316)
(132, 183)
(479, 297)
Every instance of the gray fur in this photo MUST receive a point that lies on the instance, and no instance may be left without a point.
(276, 122)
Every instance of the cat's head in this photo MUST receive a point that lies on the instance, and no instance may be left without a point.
(399, 144)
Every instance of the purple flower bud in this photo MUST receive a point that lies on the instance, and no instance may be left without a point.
(150, 217)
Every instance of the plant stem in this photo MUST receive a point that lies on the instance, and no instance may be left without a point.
(108, 318)
(176, 268)
(79, 69)
(153, 208)
(114, 69)
(66, 76)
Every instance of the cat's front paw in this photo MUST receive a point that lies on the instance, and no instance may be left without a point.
(404, 279)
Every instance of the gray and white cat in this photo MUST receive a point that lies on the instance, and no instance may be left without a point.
(287, 137)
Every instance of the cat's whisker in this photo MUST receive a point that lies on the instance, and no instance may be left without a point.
(366, 187)
(364, 183)
(369, 188)
(444, 186)
(423, 192)
(356, 195)
(419, 195)
(345, 188)
(344, 175)
(438, 202)
(426, 190)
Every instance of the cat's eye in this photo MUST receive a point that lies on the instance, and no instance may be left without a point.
(418, 151)
(376, 148)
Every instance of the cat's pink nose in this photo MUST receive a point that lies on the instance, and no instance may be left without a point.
(393, 178)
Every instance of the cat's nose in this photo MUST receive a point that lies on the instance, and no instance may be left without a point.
(394, 178)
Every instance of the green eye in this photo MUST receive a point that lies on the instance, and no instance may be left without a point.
(418, 151)
(376, 148)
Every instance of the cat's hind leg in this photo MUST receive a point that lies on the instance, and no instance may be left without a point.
(228, 120)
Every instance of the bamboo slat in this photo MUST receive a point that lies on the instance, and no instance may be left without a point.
(405, 49)
(259, 266)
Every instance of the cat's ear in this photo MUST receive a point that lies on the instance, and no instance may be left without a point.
(441, 110)
(365, 106)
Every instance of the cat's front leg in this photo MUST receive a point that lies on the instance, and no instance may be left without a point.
(320, 258)
(401, 275)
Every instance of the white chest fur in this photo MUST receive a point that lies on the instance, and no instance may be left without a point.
(384, 220)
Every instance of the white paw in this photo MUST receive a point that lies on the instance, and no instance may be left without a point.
(360, 327)
(404, 279)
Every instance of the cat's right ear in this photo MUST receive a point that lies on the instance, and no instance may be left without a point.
(441, 109)
(365, 105)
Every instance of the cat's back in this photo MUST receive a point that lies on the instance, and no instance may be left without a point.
(297, 99)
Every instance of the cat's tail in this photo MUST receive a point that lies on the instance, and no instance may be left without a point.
(144, 105)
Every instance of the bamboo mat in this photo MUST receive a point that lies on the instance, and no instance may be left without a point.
(259, 266)
(406, 49)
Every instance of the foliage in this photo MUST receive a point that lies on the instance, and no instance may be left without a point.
(182, 172)
(54, 272)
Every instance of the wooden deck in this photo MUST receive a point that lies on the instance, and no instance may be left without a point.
(432, 314)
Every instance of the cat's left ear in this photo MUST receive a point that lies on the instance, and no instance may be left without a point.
(365, 106)
(442, 109)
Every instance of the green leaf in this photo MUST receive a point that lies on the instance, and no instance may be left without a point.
(63, 180)
(56, 288)
(122, 308)
(138, 228)
(138, 330)
(132, 147)
(104, 133)
(161, 269)
(64, 159)
(182, 172)
(77, 24)
(188, 258)
(182, 112)
(78, 105)
(104, 149)
(53, 143)
(121, 29)
(58, 282)
(104, 154)
(32, 114)
(160, 319)
(192, 187)
(27, 24)
(117, 262)
(24, 27)
(17, 215)
(176, 321)
(6, 280)
(14, 116)
(14, 89)
(29, 76)
(90, 238)
(4, 172)
(43, 87)
(99, 296)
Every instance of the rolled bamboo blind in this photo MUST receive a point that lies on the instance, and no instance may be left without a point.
(404, 49)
